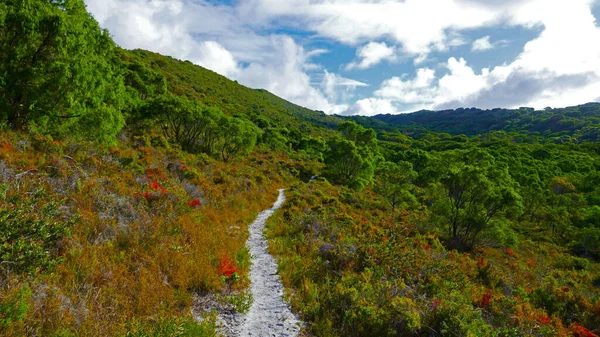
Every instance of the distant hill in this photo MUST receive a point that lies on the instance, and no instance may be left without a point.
(582, 121)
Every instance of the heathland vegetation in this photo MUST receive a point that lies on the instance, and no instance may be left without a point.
(128, 179)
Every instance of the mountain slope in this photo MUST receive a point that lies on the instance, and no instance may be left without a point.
(186, 79)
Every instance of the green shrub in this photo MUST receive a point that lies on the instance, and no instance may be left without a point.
(31, 234)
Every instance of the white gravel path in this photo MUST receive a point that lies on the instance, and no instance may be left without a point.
(269, 315)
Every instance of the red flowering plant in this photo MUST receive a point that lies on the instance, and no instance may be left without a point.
(156, 189)
(194, 203)
(436, 304)
(544, 320)
(227, 269)
(156, 186)
(510, 252)
(486, 299)
(581, 331)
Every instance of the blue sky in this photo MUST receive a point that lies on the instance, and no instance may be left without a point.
(379, 56)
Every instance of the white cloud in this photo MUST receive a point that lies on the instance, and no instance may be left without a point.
(372, 54)
(417, 90)
(316, 52)
(420, 26)
(215, 37)
(169, 27)
(213, 56)
(559, 67)
(424, 89)
(334, 86)
(482, 44)
(282, 73)
(371, 107)
(462, 82)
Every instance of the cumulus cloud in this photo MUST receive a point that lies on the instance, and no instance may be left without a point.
(213, 56)
(371, 107)
(217, 37)
(416, 90)
(411, 23)
(482, 44)
(530, 89)
(282, 73)
(424, 89)
(170, 27)
(372, 54)
(504, 86)
(244, 41)
(560, 67)
(563, 50)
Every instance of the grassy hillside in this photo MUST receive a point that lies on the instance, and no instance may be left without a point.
(114, 241)
(187, 79)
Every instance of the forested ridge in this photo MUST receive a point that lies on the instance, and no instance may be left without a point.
(562, 125)
(128, 180)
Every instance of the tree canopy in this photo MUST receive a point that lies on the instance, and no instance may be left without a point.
(57, 70)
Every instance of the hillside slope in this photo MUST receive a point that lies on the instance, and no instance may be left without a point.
(186, 79)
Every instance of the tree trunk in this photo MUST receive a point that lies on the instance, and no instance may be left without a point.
(16, 120)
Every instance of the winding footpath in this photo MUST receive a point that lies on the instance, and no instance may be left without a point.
(269, 314)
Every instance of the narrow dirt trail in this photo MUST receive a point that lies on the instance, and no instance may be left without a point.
(269, 314)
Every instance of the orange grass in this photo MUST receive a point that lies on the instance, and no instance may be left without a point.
(147, 238)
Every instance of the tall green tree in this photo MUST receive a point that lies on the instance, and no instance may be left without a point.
(238, 136)
(313, 147)
(472, 193)
(177, 117)
(57, 70)
(361, 136)
(394, 182)
(346, 164)
(145, 81)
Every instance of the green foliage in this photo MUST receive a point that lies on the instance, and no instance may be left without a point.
(14, 307)
(346, 164)
(263, 108)
(357, 271)
(587, 243)
(241, 301)
(470, 197)
(491, 180)
(58, 71)
(394, 182)
(174, 327)
(313, 147)
(238, 136)
(199, 128)
(359, 135)
(351, 159)
(183, 121)
(146, 81)
(31, 234)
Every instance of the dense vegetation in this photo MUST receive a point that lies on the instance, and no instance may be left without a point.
(127, 180)
(562, 125)
(466, 237)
